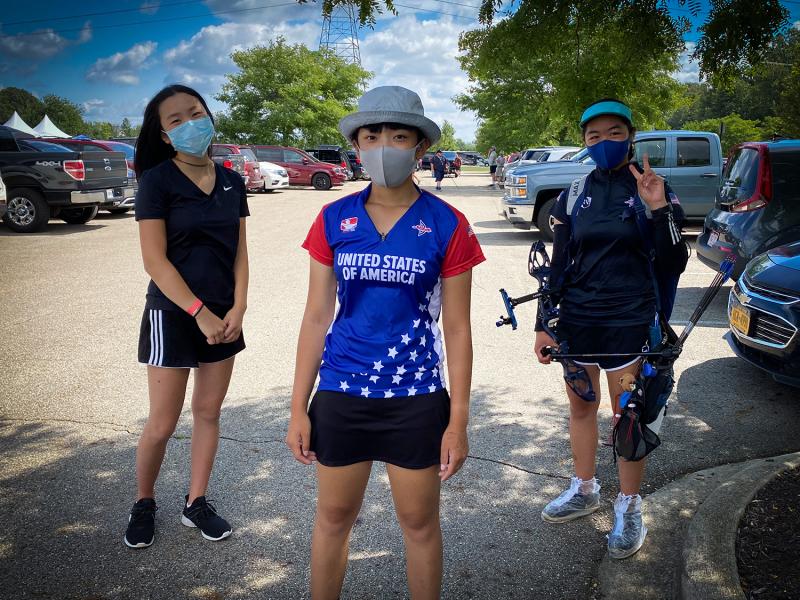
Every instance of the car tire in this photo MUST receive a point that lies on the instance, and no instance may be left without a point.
(78, 216)
(544, 221)
(27, 211)
(321, 181)
(119, 211)
(268, 191)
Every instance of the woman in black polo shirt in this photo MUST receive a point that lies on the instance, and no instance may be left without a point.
(191, 215)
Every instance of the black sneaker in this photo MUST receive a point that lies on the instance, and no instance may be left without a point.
(204, 516)
(141, 524)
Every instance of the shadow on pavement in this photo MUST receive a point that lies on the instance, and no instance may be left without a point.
(66, 493)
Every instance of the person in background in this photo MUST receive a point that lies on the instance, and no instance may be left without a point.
(438, 167)
(492, 160)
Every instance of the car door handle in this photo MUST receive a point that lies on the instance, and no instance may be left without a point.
(708, 175)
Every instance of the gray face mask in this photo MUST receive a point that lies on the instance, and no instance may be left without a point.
(389, 166)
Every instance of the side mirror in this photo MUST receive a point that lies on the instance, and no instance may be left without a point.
(305, 161)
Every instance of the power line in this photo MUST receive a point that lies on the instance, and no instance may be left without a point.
(150, 22)
(427, 10)
(100, 13)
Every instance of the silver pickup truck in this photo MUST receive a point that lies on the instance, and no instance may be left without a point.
(690, 161)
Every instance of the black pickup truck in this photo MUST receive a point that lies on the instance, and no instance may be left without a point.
(69, 185)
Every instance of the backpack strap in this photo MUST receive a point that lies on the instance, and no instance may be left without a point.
(644, 226)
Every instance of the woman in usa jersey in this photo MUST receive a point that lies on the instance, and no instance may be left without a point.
(395, 257)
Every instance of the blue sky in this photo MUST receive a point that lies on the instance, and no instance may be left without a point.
(111, 57)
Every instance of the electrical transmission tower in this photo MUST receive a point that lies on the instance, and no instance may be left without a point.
(340, 33)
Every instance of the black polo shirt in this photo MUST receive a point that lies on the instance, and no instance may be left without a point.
(608, 280)
(202, 230)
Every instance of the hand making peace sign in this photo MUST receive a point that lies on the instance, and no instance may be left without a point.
(650, 185)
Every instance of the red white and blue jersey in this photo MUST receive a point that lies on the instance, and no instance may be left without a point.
(385, 340)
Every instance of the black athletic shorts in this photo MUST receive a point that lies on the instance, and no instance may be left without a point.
(171, 338)
(493, 169)
(404, 431)
(582, 339)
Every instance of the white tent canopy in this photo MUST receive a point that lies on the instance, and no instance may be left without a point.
(46, 128)
(19, 124)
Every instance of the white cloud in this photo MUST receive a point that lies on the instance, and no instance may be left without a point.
(203, 60)
(150, 7)
(689, 70)
(421, 55)
(40, 44)
(93, 107)
(122, 67)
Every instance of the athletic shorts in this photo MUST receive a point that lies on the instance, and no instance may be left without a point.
(171, 338)
(493, 169)
(583, 339)
(403, 431)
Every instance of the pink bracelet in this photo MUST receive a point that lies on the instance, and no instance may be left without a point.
(195, 308)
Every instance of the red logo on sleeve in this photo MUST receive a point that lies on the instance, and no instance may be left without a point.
(349, 224)
(421, 228)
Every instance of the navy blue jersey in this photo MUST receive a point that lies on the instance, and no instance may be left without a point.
(385, 340)
(608, 278)
(202, 230)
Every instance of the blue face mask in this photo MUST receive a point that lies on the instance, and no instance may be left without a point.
(192, 137)
(609, 153)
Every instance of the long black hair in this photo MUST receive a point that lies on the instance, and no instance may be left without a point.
(151, 149)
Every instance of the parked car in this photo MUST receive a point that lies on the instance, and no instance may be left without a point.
(125, 140)
(275, 176)
(116, 205)
(359, 172)
(757, 206)
(234, 162)
(764, 313)
(47, 180)
(3, 199)
(540, 155)
(253, 179)
(303, 169)
(425, 161)
(451, 167)
(690, 161)
(335, 155)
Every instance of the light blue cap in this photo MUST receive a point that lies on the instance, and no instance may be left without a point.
(607, 107)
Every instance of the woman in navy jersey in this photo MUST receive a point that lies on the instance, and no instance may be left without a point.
(602, 275)
(395, 257)
(191, 216)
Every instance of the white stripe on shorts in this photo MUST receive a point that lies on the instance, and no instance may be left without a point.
(160, 339)
(152, 339)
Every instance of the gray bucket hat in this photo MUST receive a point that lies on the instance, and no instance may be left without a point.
(390, 104)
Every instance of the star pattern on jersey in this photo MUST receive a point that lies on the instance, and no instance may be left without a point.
(343, 385)
(416, 323)
(396, 379)
(423, 341)
(365, 392)
(421, 308)
(392, 351)
(377, 366)
(431, 389)
(401, 370)
(412, 391)
(413, 355)
(429, 295)
(374, 378)
(389, 394)
(405, 339)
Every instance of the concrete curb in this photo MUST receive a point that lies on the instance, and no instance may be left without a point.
(709, 570)
(678, 560)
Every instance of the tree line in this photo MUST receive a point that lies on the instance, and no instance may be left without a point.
(66, 115)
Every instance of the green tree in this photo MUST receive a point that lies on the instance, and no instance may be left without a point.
(29, 107)
(125, 127)
(533, 93)
(735, 130)
(66, 115)
(99, 130)
(448, 139)
(288, 94)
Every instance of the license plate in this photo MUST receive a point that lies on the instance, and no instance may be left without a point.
(110, 194)
(740, 319)
(712, 238)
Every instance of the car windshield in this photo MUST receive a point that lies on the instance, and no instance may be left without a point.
(741, 176)
(39, 146)
(248, 154)
(308, 156)
(582, 157)
(449, 155)
(120, 147)
(532, 154)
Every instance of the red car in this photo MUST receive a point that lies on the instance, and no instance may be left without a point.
(254, 180)
(303, 168)
(119, 204)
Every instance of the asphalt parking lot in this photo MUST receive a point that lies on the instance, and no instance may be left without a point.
(73, 399)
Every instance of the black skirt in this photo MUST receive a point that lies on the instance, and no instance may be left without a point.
(406, 432)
